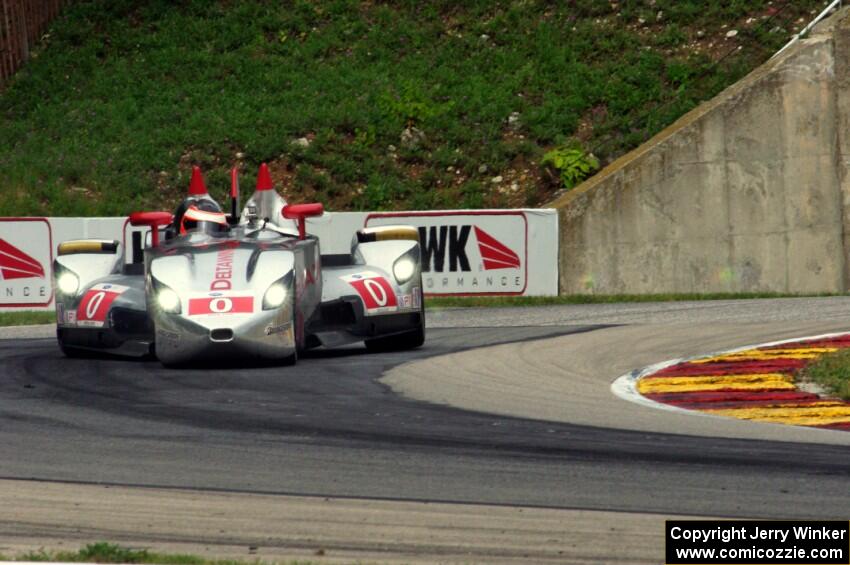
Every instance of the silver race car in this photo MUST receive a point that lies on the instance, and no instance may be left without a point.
(204, 285)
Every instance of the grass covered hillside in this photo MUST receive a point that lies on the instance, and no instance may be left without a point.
(361, 104)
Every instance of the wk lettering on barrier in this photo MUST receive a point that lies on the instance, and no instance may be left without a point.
(472, 252)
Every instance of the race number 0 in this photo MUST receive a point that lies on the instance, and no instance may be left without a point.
(221, 305)
(375, 291)
(378, 292)
(94, 304)
(93, 308)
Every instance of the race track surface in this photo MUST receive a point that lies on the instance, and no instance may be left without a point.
(331, 427)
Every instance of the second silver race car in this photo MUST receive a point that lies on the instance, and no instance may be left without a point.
(205, 285)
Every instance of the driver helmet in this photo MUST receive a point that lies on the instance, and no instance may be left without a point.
(204, 216)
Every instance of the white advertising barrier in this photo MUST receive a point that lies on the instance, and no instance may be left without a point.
(475, 252)
(465, 252)
(26, 259)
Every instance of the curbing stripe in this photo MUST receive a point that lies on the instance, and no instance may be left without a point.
(733, 405)
(775, 354)
(842, 427)
(812, 415)
(754, 383)
(713, 397)
(730, 368)
(767, 381)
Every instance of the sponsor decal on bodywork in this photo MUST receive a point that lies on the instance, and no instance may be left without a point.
(375, 291)
(223, 270)
(214, 305)
(94, 306)
(279, 329)
(412, 300)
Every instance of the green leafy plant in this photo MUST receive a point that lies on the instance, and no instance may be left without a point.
(104, 552)
(365, 138)
(411, 105)
(572, 164)
(100, 552)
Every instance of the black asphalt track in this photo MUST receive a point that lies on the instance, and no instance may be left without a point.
(328, 427)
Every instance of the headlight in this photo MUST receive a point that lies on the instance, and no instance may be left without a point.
(68, 283)
(168, 300)
(403, 269)
(275, 296)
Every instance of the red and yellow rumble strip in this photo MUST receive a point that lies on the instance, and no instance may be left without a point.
(753, 384)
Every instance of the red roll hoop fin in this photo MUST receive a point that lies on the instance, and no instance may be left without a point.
(196, 185)
(264, 178)
(234, 182)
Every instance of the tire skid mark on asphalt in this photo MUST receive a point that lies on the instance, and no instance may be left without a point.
(754, 383)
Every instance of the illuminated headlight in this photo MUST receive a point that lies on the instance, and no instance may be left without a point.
(403, 269)
(168, 300)
(68, 283)
(275, 296)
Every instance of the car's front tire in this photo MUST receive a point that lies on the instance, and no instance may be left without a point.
(400, 342)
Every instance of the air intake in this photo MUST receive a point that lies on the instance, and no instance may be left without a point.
(221, 334)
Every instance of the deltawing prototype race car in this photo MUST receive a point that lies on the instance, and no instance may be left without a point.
(204, 285)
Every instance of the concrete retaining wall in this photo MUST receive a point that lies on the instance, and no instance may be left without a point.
(748, 192)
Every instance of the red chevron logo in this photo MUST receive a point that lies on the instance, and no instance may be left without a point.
(495, 254)
(15, 264)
